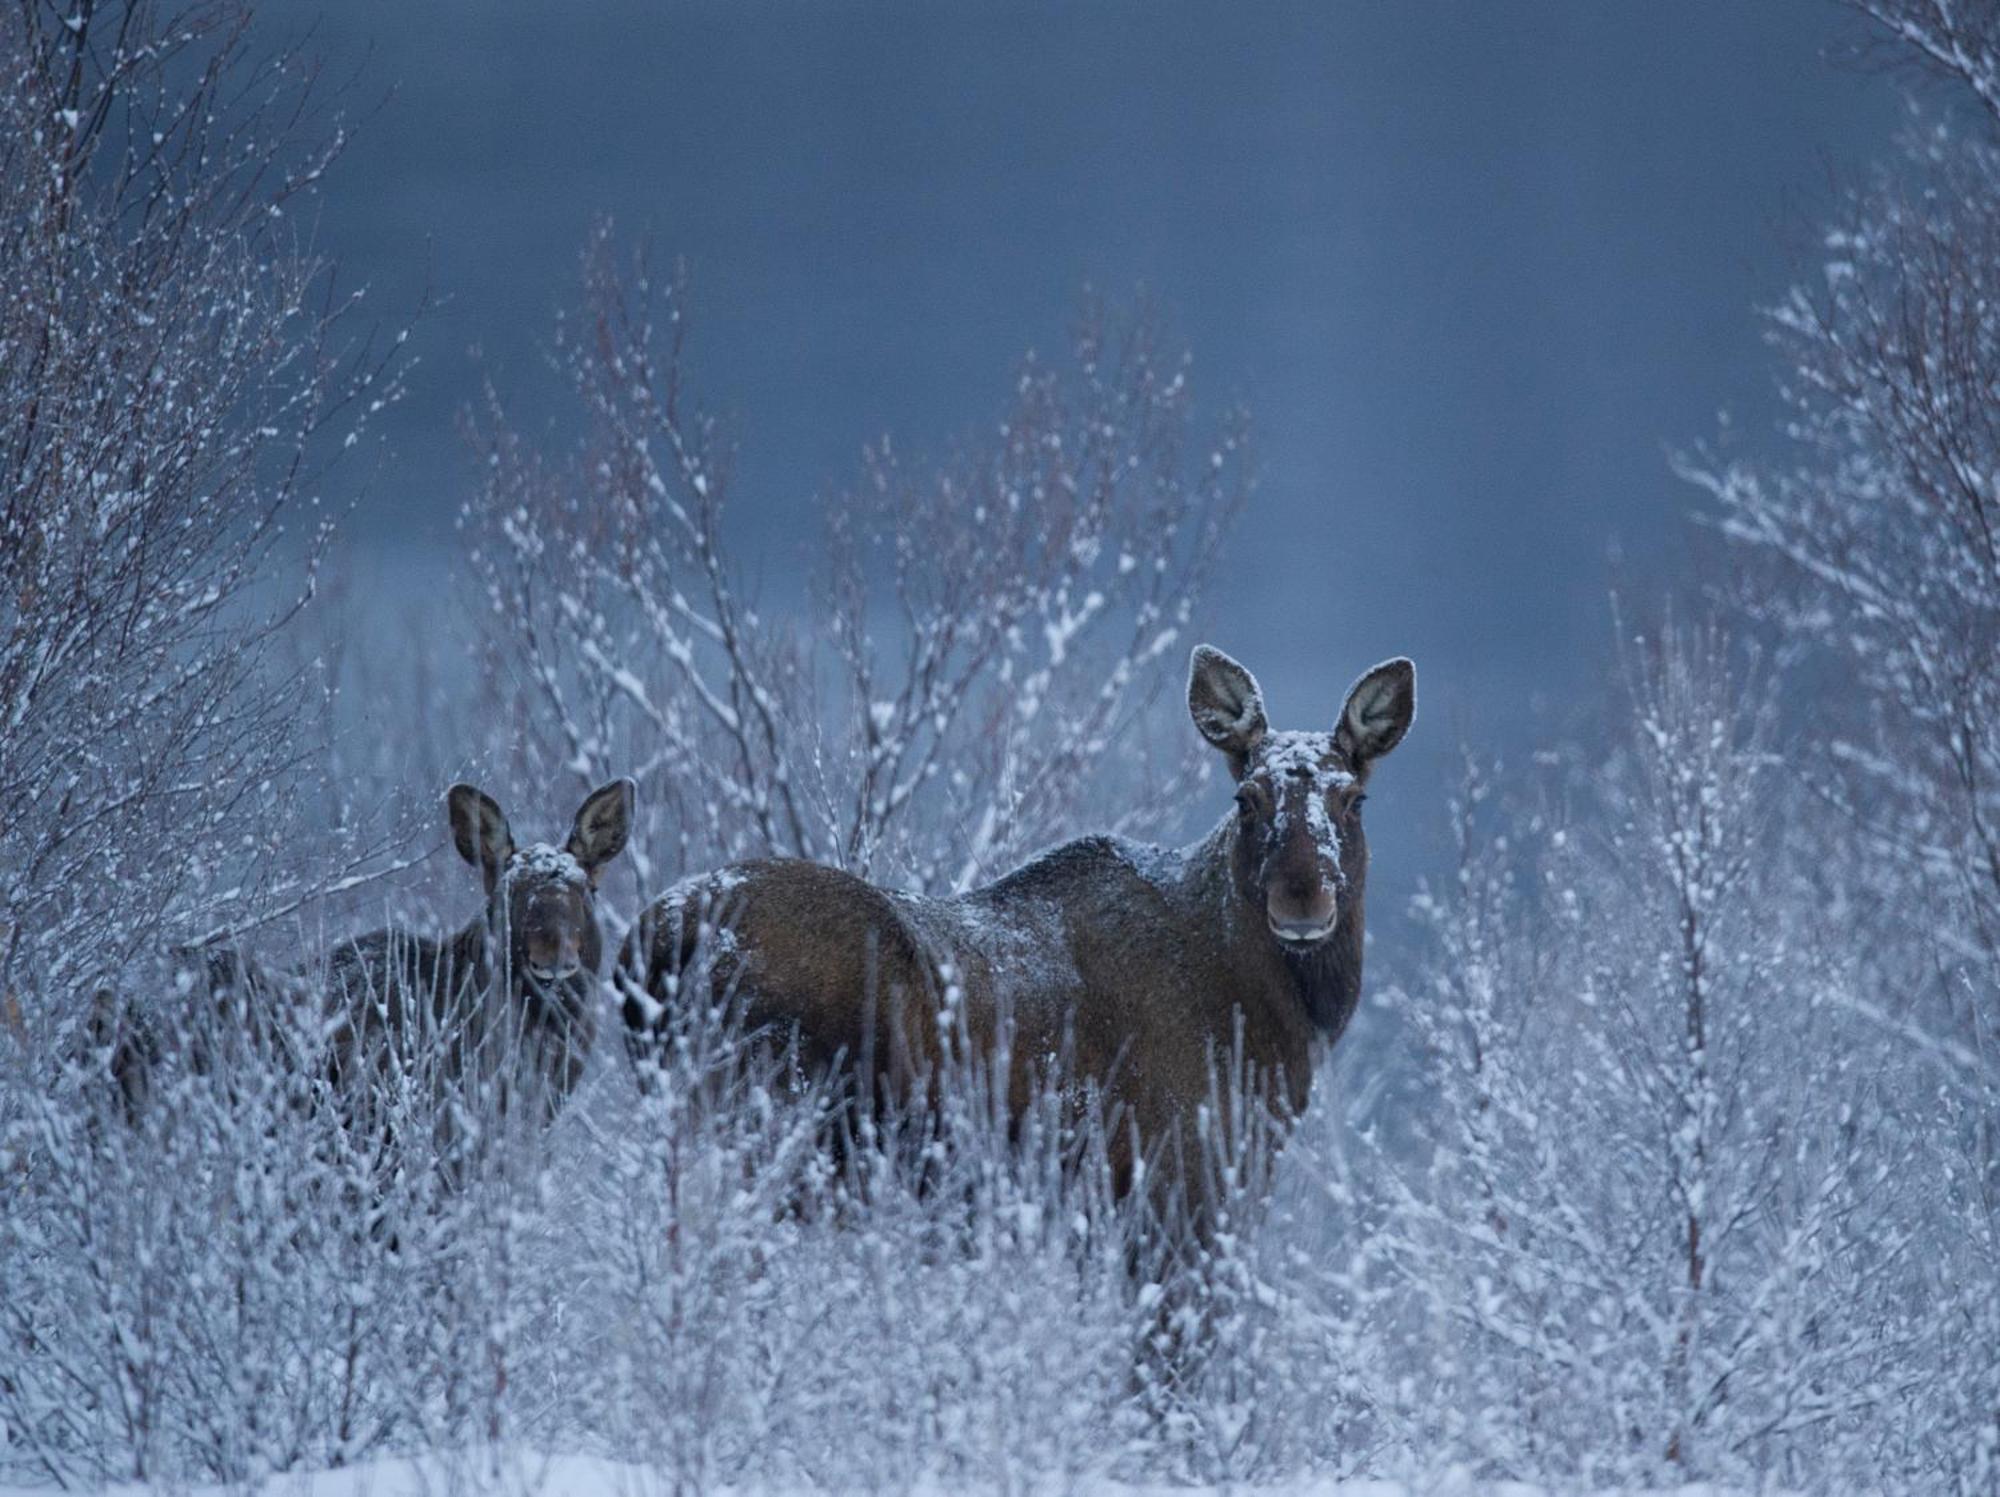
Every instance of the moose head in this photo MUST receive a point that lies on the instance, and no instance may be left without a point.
(542, 899)
(1300, 854)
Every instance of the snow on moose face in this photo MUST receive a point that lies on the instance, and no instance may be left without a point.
(542, 899)
(1300, 852)
(1299, 840)
(551, 914)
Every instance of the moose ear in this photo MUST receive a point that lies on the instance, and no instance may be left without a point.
(603, 824)
(1378, 712)
(1226, 705)
(479, 828)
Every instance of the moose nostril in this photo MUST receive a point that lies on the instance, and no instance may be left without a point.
(1309, 906)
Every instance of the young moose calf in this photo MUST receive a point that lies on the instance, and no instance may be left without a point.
(505, 1009)
(1137, 963)
(501, 1015)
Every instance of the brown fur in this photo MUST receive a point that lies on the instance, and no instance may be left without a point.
(1135, 963)
(242, 1014)
(506, 1007)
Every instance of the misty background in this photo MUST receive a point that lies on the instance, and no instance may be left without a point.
(1475, 270)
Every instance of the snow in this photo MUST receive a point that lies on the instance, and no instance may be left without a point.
(544, 861)
(1162, 867)
(535, 1474)
(1305, 755)
(1293, 758)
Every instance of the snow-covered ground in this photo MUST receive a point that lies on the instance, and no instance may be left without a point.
(534, 1474)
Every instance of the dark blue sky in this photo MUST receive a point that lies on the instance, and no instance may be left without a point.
(1473, 266)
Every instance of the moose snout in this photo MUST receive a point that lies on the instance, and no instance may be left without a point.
(554, 958)
(1301, 916)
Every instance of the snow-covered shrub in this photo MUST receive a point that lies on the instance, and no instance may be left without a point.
(980, 649)
(1681, 1214)
(189, 1280)
(175, 371)
(1872, 555)
(944, 1296)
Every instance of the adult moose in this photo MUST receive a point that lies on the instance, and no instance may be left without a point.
(1139, 964)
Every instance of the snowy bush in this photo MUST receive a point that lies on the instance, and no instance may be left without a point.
(1669, 1221)
(981, 645)
(175, 370)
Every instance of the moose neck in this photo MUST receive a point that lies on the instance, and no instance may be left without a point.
(1328, 976)
(1324, 979)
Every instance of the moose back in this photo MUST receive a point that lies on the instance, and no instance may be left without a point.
(1139, 966)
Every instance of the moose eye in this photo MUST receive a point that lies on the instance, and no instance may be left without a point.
(1250, 799)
